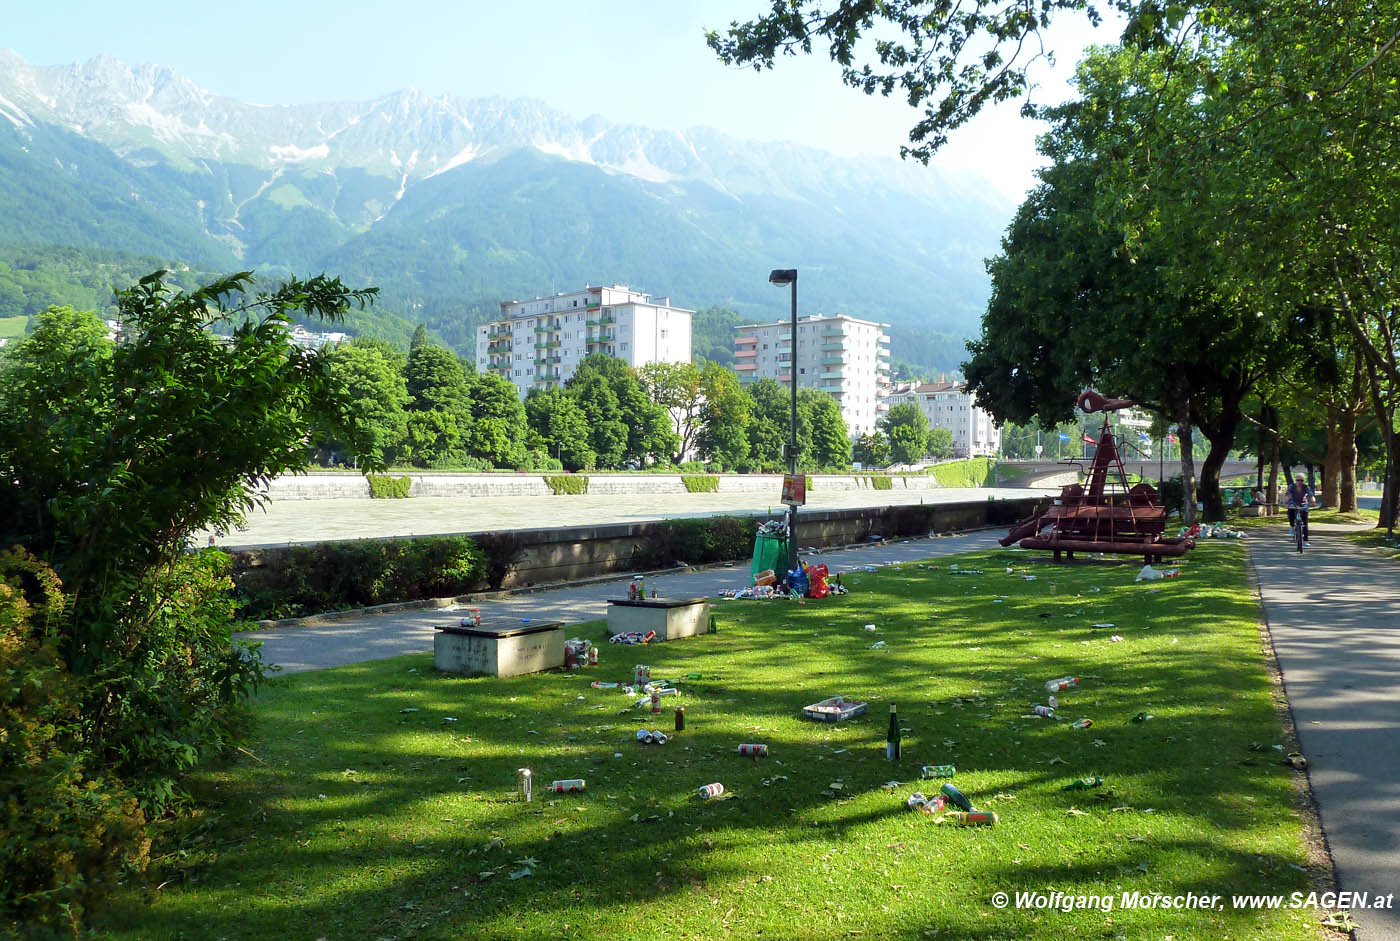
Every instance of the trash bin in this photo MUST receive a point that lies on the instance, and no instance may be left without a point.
(769, 552)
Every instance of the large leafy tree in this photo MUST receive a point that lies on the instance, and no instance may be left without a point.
(676, 387)
(724, 417)
(433, 379)
(624, 423)
(494, 421)
(872, 449)
(558, 427)
(770, 406)
(906, 428)
(111, 458)
(830, 440)
(369, 378)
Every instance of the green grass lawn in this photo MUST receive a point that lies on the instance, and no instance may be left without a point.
(370, 815)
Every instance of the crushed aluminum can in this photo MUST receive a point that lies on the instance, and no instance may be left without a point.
(644, 736)
(711, 790)
(1046, 711)
(751, 750)
(598, 684)
(524, 784)
(567, 786)
(938, 771)
(1082, 723)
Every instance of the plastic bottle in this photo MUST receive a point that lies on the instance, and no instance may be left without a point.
(1061, 684)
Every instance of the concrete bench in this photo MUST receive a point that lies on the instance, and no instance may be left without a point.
(499, 651)
(670, 618)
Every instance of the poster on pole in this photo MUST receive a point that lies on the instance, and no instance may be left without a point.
(795, 489)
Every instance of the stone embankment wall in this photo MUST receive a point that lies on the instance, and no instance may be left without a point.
(348, 486)
(552, 555)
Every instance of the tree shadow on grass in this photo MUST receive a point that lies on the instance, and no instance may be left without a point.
(412, 804)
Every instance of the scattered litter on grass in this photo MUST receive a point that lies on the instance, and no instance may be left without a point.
(449, 718)
(1083, 784)
(877, 645)
(1103, 624)
(1143, 717)
(1148, 574)
(870, 627)
(1099, 743)
(1076, 812)
(1296, 761)
(1339, 921)
(1115, 639)
(409, 709)
(1082, 723)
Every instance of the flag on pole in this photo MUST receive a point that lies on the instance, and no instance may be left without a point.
(1143, 436)
(1063, 436)
(1089, 440)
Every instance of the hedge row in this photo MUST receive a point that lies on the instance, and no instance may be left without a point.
(567, 483)
(384, 487)
(697, 541)
(973, 472)
(700, 483)
(334, 576)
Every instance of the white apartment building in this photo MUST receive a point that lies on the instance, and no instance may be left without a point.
(844, 357)
(949, 405)
(537, 344)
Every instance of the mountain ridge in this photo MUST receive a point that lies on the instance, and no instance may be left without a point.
(291, 187)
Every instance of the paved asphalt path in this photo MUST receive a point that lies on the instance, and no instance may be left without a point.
(1334, 613)
(375, 636)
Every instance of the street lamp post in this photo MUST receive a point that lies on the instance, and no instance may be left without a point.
(789, 276)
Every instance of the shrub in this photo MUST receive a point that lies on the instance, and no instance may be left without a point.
(385, 487)
(1173, 494)
(970, 473)
(502, 551)
(691, 467)
(337, 575)
(65, 834)
(696, 541)
(567, 483)
(700, 483)
(881, 482)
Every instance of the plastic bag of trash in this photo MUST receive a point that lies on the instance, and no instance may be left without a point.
(798, 581)
(818, 575)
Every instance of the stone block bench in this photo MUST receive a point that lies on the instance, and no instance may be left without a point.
(499, 651)
(670, 618)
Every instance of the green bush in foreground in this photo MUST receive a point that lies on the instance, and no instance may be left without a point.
(385, 487)
(567, 483)
(65, 832)
(700, 483)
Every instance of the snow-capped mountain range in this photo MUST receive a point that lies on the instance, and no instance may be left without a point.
(297, 186)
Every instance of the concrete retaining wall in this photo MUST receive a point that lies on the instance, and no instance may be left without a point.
(552, 555)
(346, 486)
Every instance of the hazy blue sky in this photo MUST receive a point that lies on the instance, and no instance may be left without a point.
(628, 60)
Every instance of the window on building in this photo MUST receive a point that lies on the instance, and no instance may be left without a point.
(624, 345)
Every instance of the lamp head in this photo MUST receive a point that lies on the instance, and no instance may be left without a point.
(782, 276)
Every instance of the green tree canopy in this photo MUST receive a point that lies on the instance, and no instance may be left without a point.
(906, 427)
(724, 417)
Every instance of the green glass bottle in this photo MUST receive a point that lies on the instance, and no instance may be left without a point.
(893, 749)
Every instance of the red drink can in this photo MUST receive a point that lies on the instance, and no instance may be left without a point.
(1045, 711)
(753, 750)
(593, 655)
(655, 703)
(711, 790)
(567, 786)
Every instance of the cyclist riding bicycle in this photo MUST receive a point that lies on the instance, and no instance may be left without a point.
(1299, 497)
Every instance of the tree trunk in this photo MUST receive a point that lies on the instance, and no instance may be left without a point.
(1221, 435)
(1188, 467)
(1271, 495)
(1332, 461)
(1346, 463)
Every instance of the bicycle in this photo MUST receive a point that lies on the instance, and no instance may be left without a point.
(1300, 525)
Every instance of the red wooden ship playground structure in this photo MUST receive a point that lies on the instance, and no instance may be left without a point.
(1107, 516)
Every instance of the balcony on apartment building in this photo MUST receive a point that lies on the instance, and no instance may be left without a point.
(741, 341)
